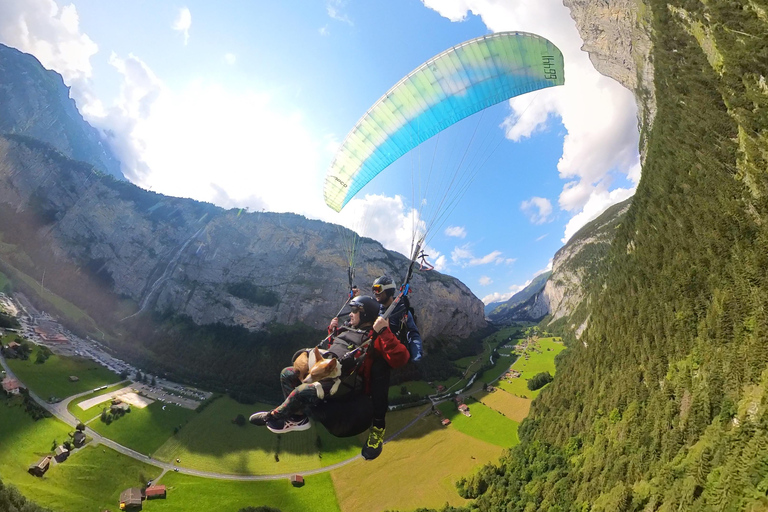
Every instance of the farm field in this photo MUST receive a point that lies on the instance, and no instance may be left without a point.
(485, 424)
(421, 466)
(511, 406)
(187, 493)
(537, 363)
(143, 430)
(211, 442)
(52, 377)
(91, 479)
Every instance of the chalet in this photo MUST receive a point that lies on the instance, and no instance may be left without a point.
(464, 409)
(297, 480)
(61, 454)
(130, 499)
(41, 467)
(445, 422)
(440, 388)
(11, 386)
(78, 438)
(13, 346)
(155, 492)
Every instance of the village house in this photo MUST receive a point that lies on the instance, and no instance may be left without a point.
(11, 386)
(155, 492)
(445, 422)
(464, 409)
(41, 466)
(130, 499)
(61, 454)
(120, 407)
(78, 438)
(13, 346)
(297, 480)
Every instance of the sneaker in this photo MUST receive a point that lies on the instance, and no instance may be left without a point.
(259, 418)
(296, 423)
(373, 446)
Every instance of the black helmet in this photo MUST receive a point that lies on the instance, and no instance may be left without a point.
(368, 307)
(384, 284)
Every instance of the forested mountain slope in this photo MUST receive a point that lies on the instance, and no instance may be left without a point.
(662, 403)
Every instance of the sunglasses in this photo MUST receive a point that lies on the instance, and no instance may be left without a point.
(378, 288)
(355, 310)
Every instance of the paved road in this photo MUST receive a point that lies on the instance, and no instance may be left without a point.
(61, 412)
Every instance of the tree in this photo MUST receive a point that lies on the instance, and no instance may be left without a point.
(124, 374)
(154, 381)
(240, 420)
(54, 445)
(539, 381)
(80, 426)
(403, 390)
(139, 376)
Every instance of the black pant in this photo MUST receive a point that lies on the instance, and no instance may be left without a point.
(380, 372)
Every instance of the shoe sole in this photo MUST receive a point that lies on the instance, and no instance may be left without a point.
(292, 428)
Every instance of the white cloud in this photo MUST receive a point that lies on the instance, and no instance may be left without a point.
(52, 34)
(503, 296)
(334, 10)
(323, 31)
(463, 256)
(596, 205)
(485, 280)
(456, 231)
(600, 116)
(542, 237)
(538, 209)
(183, 23)
(230, 58)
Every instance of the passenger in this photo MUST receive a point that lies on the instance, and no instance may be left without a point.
(364, 324)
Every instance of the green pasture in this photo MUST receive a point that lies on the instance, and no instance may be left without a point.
(416, 387)
(186, 493)
(90, 479)
(212, 442)
(485, 424)
(88, 414)
(418, 469)
(539, 361)
(51, 378)
(502, 335)
(144, 430)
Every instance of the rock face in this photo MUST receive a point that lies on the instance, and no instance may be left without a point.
(35, 102)
(524, 305)
(579, 263)
(616, 34)
(193, 258)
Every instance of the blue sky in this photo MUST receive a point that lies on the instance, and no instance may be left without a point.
(243, 104)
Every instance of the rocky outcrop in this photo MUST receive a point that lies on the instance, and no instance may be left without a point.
(214, 265)
(616, 34)
(35, 102)
(580, 262)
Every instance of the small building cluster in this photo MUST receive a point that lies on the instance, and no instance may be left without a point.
(41, 466)
(131, 499)
(297, 480)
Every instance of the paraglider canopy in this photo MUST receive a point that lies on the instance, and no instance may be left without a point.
(453, 85)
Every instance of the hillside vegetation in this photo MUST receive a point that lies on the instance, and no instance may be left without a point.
(661, 405)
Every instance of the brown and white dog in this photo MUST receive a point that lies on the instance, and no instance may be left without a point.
(313, 368)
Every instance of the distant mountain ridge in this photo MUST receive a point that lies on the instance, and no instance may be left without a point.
(502, 312)
(35, 102)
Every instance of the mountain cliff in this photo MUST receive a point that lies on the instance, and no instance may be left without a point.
(509, 310)
(35, 102)
(198, 260)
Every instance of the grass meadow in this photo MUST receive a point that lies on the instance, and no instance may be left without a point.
(537, 363)
(144, 430)
(91, 479)
(418, 469)
(51, 378)
(4, 281)
(187, 493)
(511, 406)
(485, 424)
